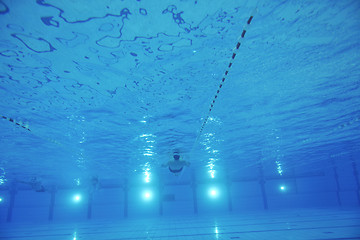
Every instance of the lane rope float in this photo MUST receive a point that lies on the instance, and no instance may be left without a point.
(18, 123)
(26, 126)
(234, 53)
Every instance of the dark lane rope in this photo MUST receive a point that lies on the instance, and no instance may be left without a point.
(26, 126)
(227, 71)
(20, 124)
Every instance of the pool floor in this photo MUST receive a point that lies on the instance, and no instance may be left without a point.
(292, 224)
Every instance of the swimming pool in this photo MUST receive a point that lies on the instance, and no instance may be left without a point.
(261, 101)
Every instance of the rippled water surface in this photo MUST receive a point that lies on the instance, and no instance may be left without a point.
(111, 88)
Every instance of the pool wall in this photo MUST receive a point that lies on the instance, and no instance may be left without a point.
(337, 187)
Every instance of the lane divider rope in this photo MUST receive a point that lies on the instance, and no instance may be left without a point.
(26, 126)
(18, 123)
(234, 54)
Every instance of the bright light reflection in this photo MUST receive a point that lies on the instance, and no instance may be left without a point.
(282, 188)
(279, 167)
(215, 120)
(147, 172)
(2, 181)
(1, 199)
(77, 181)
(2, 176)
(211, 166)
(216, 232)
(147, 176)
(146, 135)
(208, 144)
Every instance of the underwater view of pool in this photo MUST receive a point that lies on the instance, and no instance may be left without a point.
(182, 119)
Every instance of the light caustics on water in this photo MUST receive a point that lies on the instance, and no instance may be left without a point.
(148, 141)
(147, 172)
(77, 182)
(209, 142)
(216, 231)
(279, 167)
(3, 179)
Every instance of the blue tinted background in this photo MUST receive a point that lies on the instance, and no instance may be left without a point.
(111, 89)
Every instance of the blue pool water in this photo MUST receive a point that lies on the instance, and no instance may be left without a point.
(261, 100)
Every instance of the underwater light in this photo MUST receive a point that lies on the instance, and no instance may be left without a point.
(147, 195)
(1, 199)
(282, 188)
(77, 198)
(213, 193)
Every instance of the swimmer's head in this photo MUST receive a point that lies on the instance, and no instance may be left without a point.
(176, 156)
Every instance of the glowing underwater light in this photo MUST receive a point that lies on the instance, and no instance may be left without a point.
(147, 195)
(282, 188)
(213, 193)
(77, 198)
